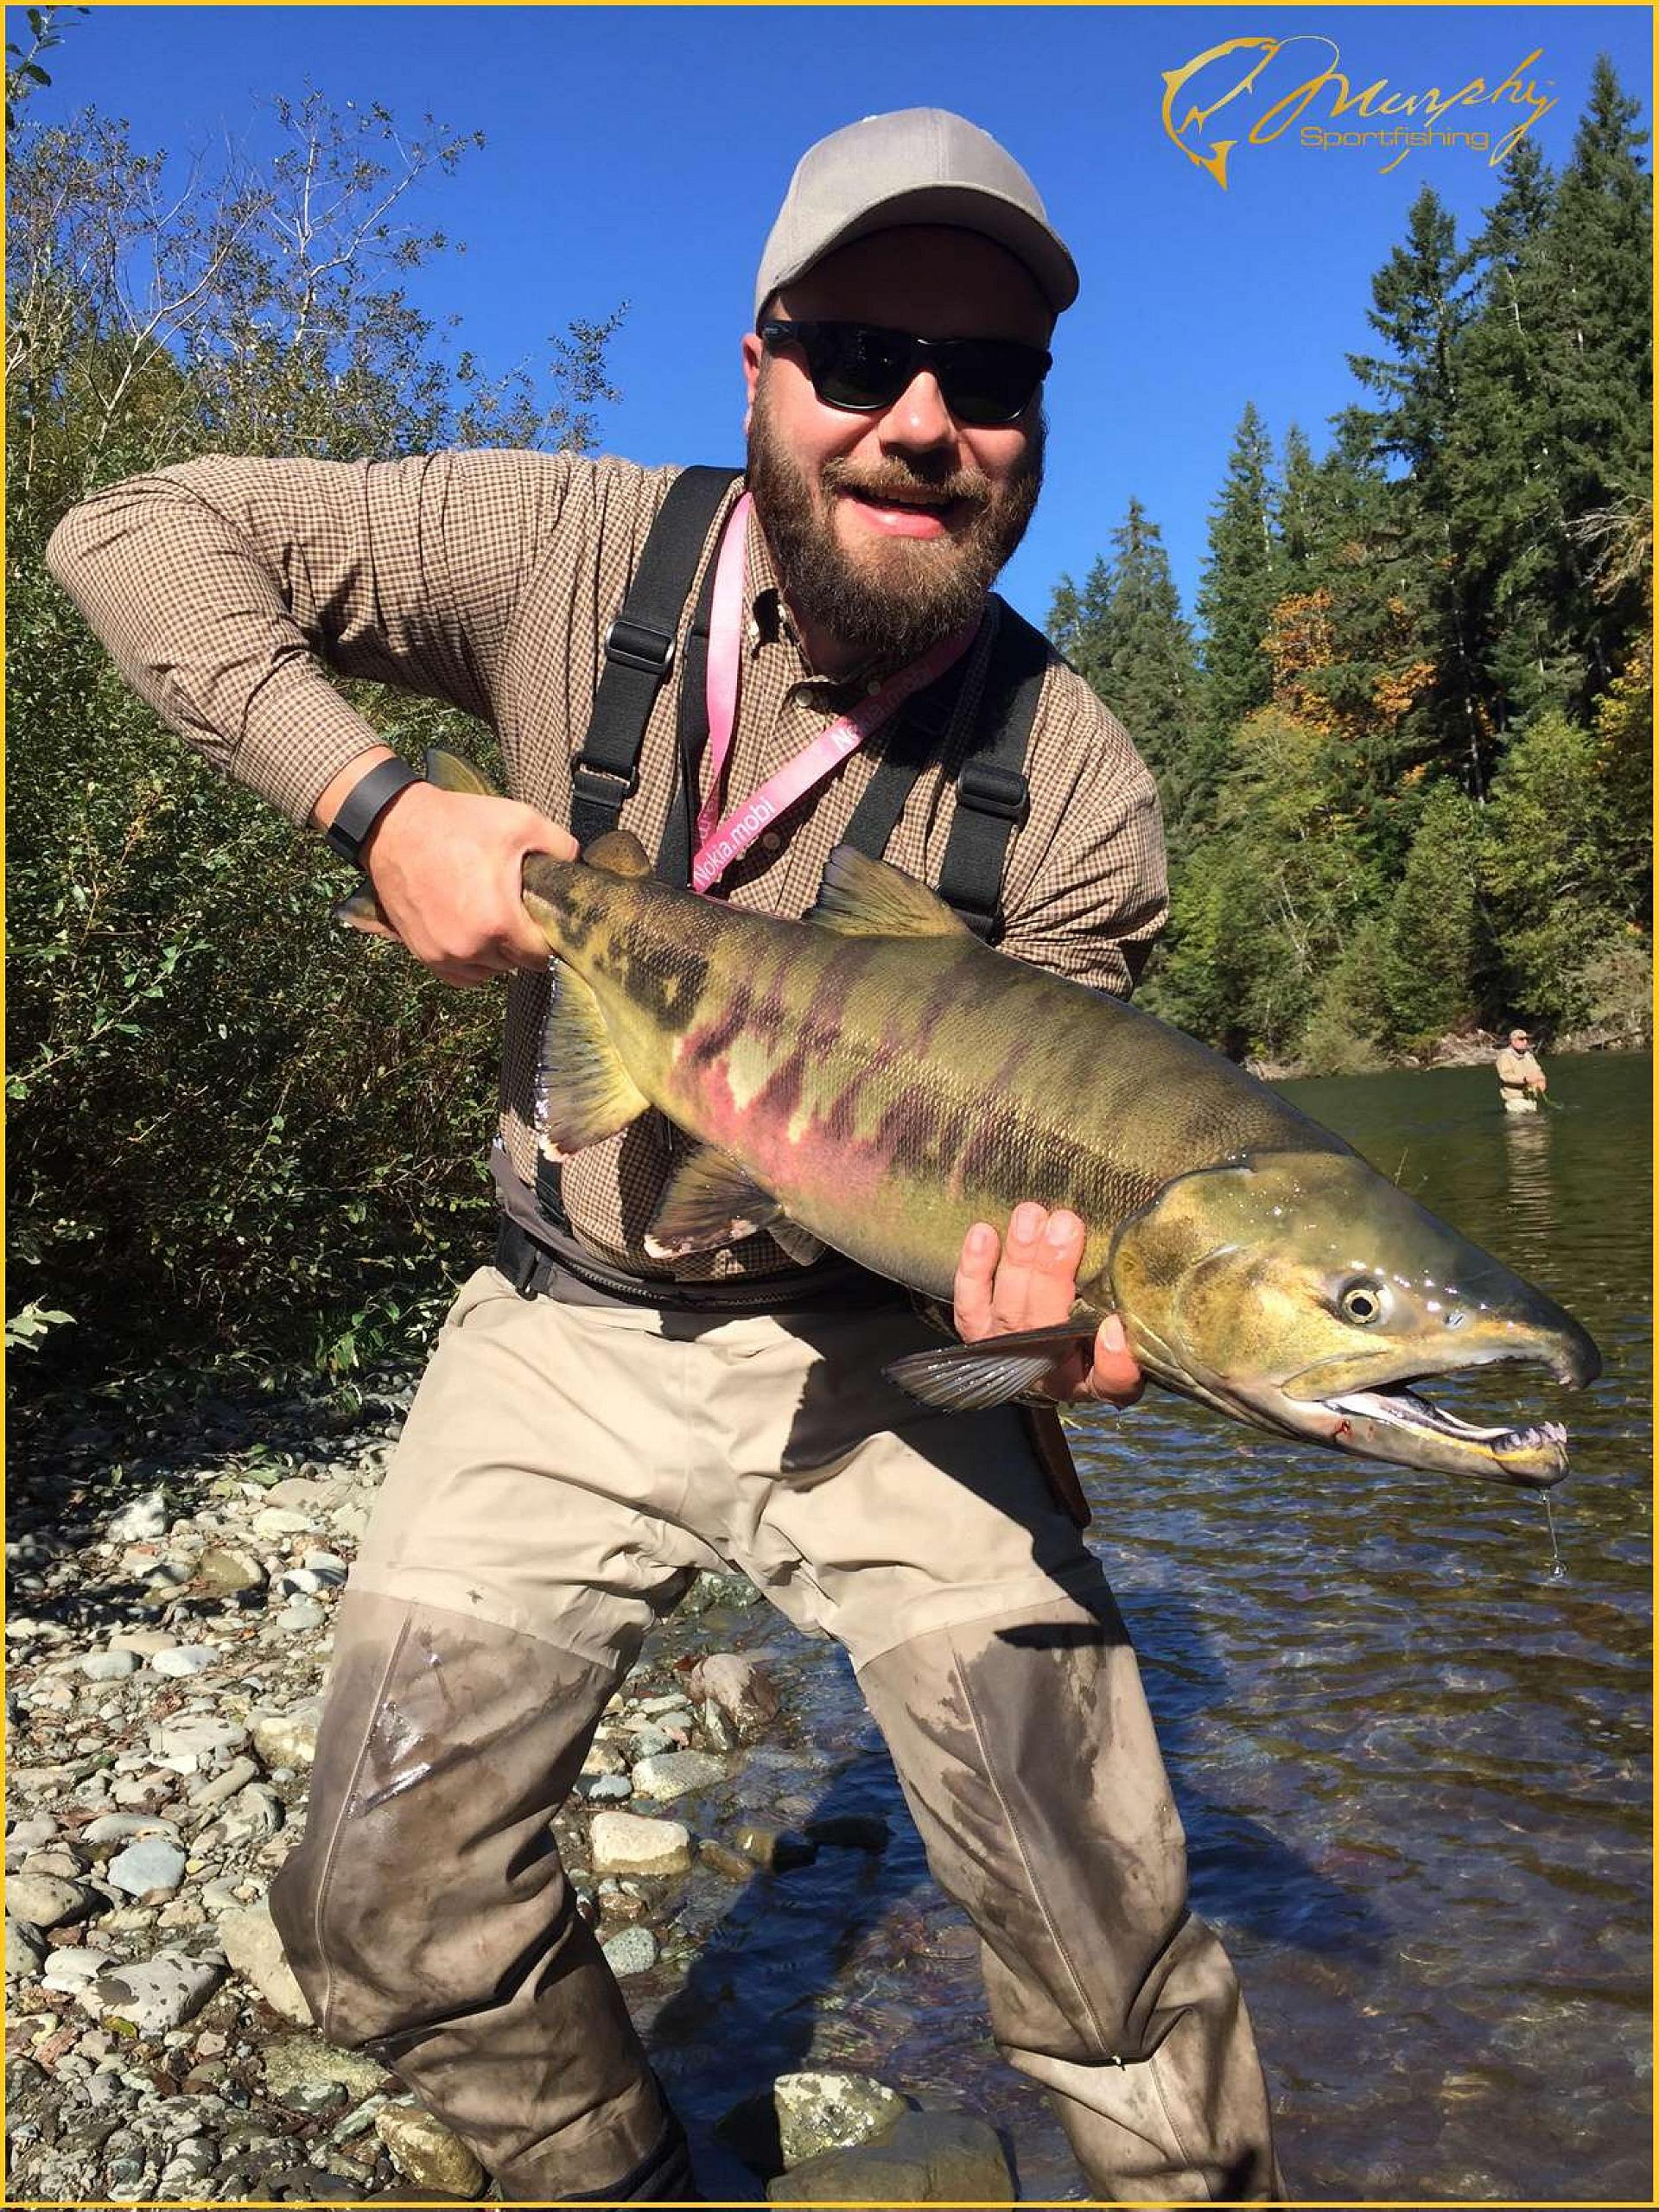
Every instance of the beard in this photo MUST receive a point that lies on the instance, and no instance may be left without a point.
(889, 605)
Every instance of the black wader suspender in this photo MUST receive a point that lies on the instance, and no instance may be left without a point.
(992, 795)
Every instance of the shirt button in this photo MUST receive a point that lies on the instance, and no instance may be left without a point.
(770, 840)
(872, 687)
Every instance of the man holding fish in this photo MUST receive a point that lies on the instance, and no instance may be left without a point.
(667, 1371)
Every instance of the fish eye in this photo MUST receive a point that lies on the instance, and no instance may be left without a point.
(1362, 1302)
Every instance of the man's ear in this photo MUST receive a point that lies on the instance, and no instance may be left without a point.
(755, 355)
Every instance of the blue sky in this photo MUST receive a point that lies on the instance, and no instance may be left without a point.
(640, 153)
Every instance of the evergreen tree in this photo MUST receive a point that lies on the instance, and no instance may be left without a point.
(1420, 305)
(1597, 364)
(1240, 582)
(1125, 634)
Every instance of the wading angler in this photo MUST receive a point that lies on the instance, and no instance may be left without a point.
(790, 693)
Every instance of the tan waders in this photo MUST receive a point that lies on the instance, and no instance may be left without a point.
(565, 1471)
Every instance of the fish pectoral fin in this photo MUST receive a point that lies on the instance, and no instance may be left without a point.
(590, 1093)
(860, 897)
(967, 1378)
(451, 773)
(618, 852)
(802, 1246)
(711, 1199)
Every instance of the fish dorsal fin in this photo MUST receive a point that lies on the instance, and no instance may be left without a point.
(618, 852)
(865, 898)
(589, 1093)
(451, 773)
(711, 1199)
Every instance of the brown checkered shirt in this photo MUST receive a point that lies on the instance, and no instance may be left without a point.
(488, 580)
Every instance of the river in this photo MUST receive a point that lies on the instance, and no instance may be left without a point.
(1413, 1763)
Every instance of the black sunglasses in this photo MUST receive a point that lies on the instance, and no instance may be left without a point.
(984, 381)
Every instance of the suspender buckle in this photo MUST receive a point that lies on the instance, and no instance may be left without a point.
(602, 787)
(988, 789)
(637, 644)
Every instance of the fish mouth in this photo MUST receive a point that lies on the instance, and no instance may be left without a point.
(1533, 1456)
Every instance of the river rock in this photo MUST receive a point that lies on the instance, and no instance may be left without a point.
(254, 1950)
(830, 2112)
(183, 1659)
(47, 1900)
(145, 1641)
(193, 1741)
(25, 1951)
(304, 2062)
(777, 1848)
(288, 1739)
(738, 1686)
(152, 1863)
(424, 2152)
(225, 1570)
(121, 1828)
(236, 1775)
(139, 1522)
(299, 1618)
(926, 2158)
(627, 1843)
(670, 1774)
(154, 1994)
(607, 1789)
(632, 1950)
(109, 1666)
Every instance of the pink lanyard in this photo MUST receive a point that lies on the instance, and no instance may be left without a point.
(720, 842)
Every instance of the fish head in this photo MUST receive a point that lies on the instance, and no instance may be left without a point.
(1305, 1292)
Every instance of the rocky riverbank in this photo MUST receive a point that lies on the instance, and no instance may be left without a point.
(168, 1642)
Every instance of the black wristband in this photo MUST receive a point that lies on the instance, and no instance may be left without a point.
(363, 804)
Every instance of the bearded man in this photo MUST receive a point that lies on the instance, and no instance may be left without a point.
(596, 1426)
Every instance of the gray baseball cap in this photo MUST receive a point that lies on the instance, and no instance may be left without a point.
(917, 165)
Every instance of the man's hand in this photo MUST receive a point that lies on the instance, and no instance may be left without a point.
(1030, 1283)
(446, 870)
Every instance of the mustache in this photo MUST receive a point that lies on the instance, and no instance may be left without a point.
(945, 482)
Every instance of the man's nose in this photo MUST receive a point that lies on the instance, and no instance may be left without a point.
(919, 419)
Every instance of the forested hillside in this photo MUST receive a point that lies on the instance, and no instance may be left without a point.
(1406, 754)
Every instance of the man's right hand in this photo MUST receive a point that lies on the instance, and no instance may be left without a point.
(446, 868)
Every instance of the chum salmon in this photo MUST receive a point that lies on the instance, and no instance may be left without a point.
(876, 1079)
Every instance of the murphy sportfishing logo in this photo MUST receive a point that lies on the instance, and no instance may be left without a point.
(1272, 85)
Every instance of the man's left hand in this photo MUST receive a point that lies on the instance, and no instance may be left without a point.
(1029, 1280)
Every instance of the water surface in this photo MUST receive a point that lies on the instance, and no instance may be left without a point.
(1413, 1766)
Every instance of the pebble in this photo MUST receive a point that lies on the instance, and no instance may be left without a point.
(287, 1738)
(299, 1618)
(47, 1900)
(25, 1954)
(151, 1864)
(185, 1659)
(108, 1666)
(144, 1518)
(631, 1951)
(254, 1950)
(425, 2152)
(155, 1993)
(627, 1843)
(671, 1774)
